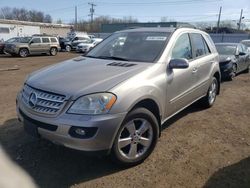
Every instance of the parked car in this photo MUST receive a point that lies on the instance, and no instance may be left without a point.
(85, 47)
(71, 44)
(233, 59)
(33, 45)
(62, 42)
(116, 99)
(11, 40)
(247, 43)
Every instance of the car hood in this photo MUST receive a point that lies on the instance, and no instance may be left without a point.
(226, 58)
(81, 76)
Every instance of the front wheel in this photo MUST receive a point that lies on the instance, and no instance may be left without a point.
(136, 137)
(209, 99)
(23, 52)
(68, 48)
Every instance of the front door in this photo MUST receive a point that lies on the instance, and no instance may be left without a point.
(35, 45)
(180, 82)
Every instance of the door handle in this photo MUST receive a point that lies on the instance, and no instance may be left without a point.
(195, 69)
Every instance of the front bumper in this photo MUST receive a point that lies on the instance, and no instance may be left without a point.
(226, 70)
(107, 127)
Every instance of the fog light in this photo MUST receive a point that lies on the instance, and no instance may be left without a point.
(82, 132)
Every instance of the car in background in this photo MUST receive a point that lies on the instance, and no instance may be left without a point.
(33, 45)
(71, 44)
(233, 59)
(11, 40)
(247, 43)
(115, 100)
(62, 42)
(85, 47)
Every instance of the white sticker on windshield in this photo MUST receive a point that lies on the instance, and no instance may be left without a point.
(157, 38)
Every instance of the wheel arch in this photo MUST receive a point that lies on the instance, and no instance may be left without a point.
(218, 77)
(150, 105)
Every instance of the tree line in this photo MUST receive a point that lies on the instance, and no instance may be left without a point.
(23, 14)
(95, 26)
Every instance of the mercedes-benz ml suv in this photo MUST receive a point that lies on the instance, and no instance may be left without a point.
(116, 98)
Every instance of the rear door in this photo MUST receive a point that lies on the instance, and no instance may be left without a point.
(204, 61)
(45, 44)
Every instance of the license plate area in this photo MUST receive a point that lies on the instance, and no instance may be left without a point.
(31, 128)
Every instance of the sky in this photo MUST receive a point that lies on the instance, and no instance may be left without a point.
(144, 11)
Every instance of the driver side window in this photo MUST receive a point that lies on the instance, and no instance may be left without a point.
(182, 48)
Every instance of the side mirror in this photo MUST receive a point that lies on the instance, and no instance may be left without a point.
(242, 53)
(31, 42)
(178, 64)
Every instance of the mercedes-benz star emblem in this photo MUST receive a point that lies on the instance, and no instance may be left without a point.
(33, 100)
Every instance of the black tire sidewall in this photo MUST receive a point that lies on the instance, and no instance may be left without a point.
(136, 113)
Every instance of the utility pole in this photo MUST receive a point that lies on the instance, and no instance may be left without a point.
(239, 24)
(2, 13)
(75, 17)
(91, 11)
(218, 23)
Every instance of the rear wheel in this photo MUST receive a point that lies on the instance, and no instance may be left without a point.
(23, 52)
(53, 51)
(136, 138)
(209, 99)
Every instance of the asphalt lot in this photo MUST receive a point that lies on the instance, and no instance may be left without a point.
(198, 148)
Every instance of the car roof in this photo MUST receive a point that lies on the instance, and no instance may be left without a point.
(227, 43)
(150, 29)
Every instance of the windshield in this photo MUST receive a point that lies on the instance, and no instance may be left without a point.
(226, 49)
(131, 46)
(16, 39)
(247, 43)
(25, 39)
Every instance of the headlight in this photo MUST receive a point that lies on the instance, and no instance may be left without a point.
(99, 103)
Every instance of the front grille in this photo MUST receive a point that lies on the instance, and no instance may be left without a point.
(43, 101)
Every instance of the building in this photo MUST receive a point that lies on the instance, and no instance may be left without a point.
(110, 28)
(14, 28)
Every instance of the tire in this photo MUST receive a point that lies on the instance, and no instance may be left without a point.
(68, 48)
(23, 52)
(140, 132)
(53, 51)
(210, 98)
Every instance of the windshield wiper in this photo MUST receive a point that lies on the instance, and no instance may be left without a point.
(112, 57)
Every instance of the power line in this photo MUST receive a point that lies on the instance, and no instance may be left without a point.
(160, 3)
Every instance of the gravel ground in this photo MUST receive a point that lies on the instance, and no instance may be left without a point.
(198, 147)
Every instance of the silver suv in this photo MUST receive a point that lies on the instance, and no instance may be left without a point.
(33, 45)
(116, 98)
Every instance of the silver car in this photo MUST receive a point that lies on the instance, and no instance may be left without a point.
(116, 98)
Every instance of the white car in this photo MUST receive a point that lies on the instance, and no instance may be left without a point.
(247, 43)
(86, 46)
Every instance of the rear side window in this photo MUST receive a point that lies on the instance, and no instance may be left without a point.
(182, 48)
(45, 40)
(53, 40)
(200, 46)
(36, 40)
